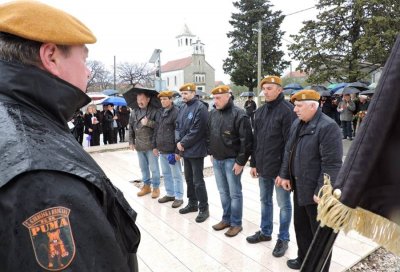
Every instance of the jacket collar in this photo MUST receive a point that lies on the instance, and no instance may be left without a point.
(278, 100)
(312, 124)
(193, 100)
(228, 105)
(40, 91)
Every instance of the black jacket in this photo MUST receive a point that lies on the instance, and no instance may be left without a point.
(50, 188)
(229, 134)
(108, 121)
(165, 130)
(89, 124)
(272, 124)
(319, 151)
(191, 128)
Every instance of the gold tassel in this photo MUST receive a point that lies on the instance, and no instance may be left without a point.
(334, 214)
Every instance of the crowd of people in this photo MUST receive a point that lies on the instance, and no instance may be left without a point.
(290, 146)
(347, 110)
(110, 122)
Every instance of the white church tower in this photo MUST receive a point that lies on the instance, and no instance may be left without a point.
(184, 43)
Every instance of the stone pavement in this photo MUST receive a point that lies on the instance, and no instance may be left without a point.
(172, 241)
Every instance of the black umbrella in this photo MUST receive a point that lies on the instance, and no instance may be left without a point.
(325, 93)
(201, 93)
(318, 88)
(130, 97)
(358, 85)
(176, 94)
(368, 92)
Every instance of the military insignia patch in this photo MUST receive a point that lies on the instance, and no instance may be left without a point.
(51, 236)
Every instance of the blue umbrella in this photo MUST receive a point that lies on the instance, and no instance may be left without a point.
(247, 94)
(295, 86)
(334, 87)
(117, 101)
(110, 92)
(289, 91)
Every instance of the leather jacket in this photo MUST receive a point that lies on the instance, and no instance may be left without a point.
(229, 134)
(36, 143)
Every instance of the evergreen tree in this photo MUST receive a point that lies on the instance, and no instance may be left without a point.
(241, 64)
(347, 40)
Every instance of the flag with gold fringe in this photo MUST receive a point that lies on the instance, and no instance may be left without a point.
(366, 193)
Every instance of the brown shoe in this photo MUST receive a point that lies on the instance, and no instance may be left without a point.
(155, 193)
(145, 190)
(221, 225)
(233, 231)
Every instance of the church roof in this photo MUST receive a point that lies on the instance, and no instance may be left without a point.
(175, 65)
(186, 32)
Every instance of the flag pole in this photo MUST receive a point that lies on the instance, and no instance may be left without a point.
(320, 250)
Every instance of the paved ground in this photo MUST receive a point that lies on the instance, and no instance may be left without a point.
(171, 241)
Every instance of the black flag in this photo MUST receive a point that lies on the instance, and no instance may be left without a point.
(366, 195)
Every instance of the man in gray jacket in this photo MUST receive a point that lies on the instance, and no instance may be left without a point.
(143, 121)
(346, 108)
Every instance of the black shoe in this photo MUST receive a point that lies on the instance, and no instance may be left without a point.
(294, 263)
(258, 237)
(166, 199)
(280, 248)
(202, 216)
(189, 208)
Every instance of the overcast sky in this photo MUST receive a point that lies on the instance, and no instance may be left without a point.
(131, 30)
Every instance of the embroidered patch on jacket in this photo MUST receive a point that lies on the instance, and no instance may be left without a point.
(52, 239)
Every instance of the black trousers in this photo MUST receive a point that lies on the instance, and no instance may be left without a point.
(196, 187)
(305, 226)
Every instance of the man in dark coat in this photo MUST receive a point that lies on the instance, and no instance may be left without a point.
(271, 131)
(166, 150)
(250, 106)
(229, 141)
(190, 135)
(58, 210)
(314, 148)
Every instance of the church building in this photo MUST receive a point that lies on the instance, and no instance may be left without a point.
(190, 65)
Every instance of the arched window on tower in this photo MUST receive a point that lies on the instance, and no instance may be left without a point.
(186, 41)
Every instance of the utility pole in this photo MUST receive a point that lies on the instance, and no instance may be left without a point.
(115, 73)
(258, 100)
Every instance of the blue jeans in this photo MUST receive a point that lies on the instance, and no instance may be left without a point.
(230, 191)
(285, 206)
(148, 162)
(173, 178)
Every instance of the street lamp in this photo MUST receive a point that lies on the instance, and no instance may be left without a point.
(259, 64)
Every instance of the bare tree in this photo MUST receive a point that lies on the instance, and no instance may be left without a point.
(135, 73)
(100, 77)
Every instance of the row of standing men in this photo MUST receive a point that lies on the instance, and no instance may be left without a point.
(287, 153)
